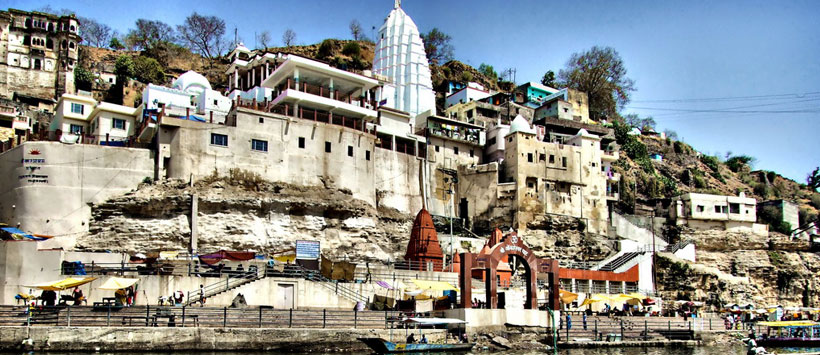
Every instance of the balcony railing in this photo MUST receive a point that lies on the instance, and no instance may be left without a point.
(325, 92)
(308, 114)
(462, 134)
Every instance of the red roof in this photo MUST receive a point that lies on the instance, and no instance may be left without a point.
(423, 239)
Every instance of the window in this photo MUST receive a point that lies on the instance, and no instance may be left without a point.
(77, 108)
(700, 208)
(471, 153)
(327, 147)
(552, 159)
(117, 123)
(367, 155)
(734, 208)
(350, 150)
(302, 142)
(470, 114)
(436, 149)
(455, 150)
(219, 139)
(215, 103)
(529, 157)
(717, 209)
(76, 129)
(491, 141)
(542, 157)
(261, 119)
(259, 145)
(564, 161)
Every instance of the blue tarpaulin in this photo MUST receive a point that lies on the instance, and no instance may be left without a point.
(192, 118)
(16, 234)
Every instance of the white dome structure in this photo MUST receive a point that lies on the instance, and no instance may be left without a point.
(520, 124)
(192, 82)
(400, 56)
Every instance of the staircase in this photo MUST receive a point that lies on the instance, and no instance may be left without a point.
(229, 283)
(673, 248)
(619, 261)
(338, 288)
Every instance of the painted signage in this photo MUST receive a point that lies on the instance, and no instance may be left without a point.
(307, 250)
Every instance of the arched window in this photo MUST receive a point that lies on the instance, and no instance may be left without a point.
(50, 27)
(49, 43)
(37, 64)
(63, 44)
(71, 45)
(28, 23)
(72, 28)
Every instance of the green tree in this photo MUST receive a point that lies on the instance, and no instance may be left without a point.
(549, 79)
(488, 71)
(148, 70)
(203, 35)
(736, 163)
(83, 79)
(813, 180)
(124, 67)
(642, 123)
(352, 49)
(116, 44)
(600, 72)
(437, 46)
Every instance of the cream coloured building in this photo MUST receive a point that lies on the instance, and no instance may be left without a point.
(706, 211)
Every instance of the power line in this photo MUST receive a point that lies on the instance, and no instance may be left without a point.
(735, 98)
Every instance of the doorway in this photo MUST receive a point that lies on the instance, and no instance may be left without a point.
(284, 296)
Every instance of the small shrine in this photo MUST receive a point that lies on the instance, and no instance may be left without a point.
(424, 250)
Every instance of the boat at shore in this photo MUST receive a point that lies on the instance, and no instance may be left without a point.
(799, 334)
(381, 346)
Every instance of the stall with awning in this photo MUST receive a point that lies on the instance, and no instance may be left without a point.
(434, 285)
(214, 258)
(594, 299)
(61, 285)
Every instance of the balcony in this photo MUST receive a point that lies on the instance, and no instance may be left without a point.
(322, 98)
(614, 177)
(610, 156)
(309, 114)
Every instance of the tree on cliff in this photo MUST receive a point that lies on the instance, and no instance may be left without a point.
(600, 72)
(148, 34)
(95, 33)
(642, 123)
(288, 37)
(204, 35)
(549, 79)
(813, 180)
(264, 39)
(488, 71)
(356, 30)
(437, 45)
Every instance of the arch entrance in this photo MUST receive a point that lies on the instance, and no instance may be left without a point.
(510, 245)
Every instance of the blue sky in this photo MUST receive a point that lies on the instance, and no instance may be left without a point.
(761, 58)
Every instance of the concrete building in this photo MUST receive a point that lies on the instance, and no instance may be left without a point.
(489, 110)
(533, 94)
(71, 116)
(705, 211)
(471, 92)
(111, 124)
(38, 53)
(789, 213)
(566, 104)
(400, 57)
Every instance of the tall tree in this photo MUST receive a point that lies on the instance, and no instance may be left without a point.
(149, 33)
(356, 30)
(600, 72)
(116, 41)
(264, 39)
(488, 71)
(642, 123)
(288, 37)
(203, 34)
(437, 45)
(97, 34)
(813, 180)
(549, 79)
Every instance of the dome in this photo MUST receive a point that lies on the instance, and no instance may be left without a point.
(520, 124)
(192, 83)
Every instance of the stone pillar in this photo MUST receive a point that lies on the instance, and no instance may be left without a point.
(296, 78)
(606, 286)
(465, 279)
(330, 89)
(267, 70)
(623, 286)
(491, 287)
(236, 79)
(253, 78)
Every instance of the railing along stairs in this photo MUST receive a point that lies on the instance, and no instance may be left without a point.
(229, 283)
(340, 289)
(673, 248)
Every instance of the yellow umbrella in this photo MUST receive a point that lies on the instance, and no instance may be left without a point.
(593, 299)
(63, 284)
(566, 296)
(117, 283)
(637, 295)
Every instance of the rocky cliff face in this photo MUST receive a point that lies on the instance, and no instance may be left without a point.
(740, 267)
(267, 219)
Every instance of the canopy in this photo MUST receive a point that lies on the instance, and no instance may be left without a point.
(434, 285)
(11, 233)
(566, 296)
(637, 295)
(63, 284)
(214, 258)
(434, 321)
(594, 298)
(798, 323)
(117, 283)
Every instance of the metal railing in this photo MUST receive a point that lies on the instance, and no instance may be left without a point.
(626, 328)
(206, 317)
(225, 285)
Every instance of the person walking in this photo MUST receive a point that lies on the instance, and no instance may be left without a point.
(201, 295)
(569, 322)
(584, 320)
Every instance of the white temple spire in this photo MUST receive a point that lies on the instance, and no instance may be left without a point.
(397, 4)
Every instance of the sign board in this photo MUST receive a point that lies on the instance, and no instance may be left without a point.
(307, 250)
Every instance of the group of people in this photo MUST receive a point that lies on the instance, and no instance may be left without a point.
(174, 299)
(125, 296)
(478, 304)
